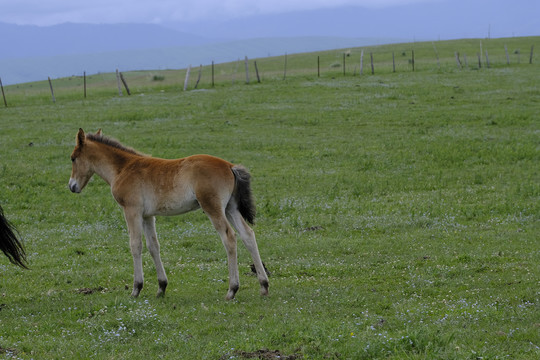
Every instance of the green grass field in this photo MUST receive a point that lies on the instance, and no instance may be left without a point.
(398, 213)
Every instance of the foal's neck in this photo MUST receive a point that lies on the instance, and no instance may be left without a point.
(110, 161)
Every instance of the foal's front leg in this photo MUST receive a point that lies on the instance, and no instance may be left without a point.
(135, 225)
(149, 225)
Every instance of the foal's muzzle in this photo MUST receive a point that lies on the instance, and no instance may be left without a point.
(73, 186)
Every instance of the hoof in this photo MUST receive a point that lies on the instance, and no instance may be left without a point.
(231, 293)
(162, 288)
(264, 290)
(137, 287)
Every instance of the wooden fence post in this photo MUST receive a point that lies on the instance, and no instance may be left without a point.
(437, 55)
(457, 59)
(118, 83)
(199, 77)
(52, 92)
(344, 64)
(247, 70)
(125, 83)
(84, 84)
(257, 72)
(393, 62)
(212, 73)
(318, 66)
(235, 70)
(413, 60)
(372, 66)
(531, 57)
(186, 80)
(3, 94)
(362, 62)
(285, 68)
(480, 55)
(507, 56)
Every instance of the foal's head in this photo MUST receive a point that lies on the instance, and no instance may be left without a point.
(81, 171)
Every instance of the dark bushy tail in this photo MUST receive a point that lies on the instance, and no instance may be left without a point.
(9, 244)
(242, 193)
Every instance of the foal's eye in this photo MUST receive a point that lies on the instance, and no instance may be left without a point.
(72, 159)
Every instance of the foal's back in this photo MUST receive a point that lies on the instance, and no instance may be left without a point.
(173, 187)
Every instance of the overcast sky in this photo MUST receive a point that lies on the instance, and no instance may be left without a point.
(390, 18)
(50, 12)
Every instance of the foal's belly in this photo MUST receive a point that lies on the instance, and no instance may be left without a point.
(170, 208)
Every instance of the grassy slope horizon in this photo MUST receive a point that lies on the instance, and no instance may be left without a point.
(397, 212)
(331, 61)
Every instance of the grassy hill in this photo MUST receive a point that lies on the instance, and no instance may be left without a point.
(385, 57)
(397, 213)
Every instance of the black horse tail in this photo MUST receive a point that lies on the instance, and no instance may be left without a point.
(242, 193)
(9, 243)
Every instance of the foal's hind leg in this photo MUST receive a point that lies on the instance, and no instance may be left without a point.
(248, 237)
(149, 225)
(228, 237)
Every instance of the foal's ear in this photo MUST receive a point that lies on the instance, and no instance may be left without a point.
(99, 133)
(80, 137)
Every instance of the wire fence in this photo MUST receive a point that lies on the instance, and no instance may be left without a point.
(357, 62)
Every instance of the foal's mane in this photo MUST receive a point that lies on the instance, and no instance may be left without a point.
(105, 140)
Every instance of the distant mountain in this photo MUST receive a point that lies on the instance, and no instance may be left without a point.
(23, 41)
(31, 53)
(411, 21)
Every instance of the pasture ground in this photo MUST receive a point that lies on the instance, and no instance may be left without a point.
(398, 214)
